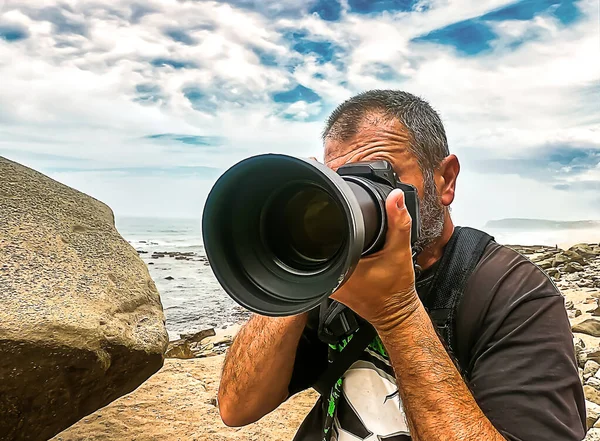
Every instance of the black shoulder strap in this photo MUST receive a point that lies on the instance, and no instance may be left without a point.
(461, 256)
(351, 352)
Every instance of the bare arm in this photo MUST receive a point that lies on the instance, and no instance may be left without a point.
(437, 402)
(258, 368)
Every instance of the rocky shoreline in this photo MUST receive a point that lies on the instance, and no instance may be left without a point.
(576, 273)
(179, 401)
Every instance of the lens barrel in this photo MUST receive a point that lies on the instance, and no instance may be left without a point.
(282, 233)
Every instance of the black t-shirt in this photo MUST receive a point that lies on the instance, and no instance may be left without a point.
(523, 372)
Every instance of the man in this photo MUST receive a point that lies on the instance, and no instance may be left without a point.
(522, 382)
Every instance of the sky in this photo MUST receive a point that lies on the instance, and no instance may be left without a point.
(144, 104)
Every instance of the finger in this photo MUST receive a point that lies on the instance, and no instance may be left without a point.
(399, 221)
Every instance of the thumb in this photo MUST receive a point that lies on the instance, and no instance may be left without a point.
(398, 218)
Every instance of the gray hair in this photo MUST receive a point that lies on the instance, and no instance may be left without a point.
(427, 135)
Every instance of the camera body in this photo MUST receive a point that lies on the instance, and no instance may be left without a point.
(380, 176)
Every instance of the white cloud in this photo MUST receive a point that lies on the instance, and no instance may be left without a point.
(73, 97)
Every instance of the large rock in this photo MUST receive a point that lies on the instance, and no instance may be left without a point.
(574, 256)
(592, 413)
(591, 394)
(179, 349)
(589, 327)
(545, 264)
(585, 250)
(590, 369)
(81, 321)
(572, 267)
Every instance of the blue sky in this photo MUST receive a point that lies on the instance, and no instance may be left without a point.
(144, 104)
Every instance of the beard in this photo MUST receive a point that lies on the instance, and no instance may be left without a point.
(431, 213)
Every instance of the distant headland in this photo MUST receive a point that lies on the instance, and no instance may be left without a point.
(541, 224)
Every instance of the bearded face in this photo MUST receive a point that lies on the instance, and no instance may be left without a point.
(431, 212)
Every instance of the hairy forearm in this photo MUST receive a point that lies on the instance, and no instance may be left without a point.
(258, 368)
(437, 402)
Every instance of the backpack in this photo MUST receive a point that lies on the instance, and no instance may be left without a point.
(461, 255)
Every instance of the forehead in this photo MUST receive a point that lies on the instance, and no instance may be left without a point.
(375, 138)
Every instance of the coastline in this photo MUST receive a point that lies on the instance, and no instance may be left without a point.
(179, 402)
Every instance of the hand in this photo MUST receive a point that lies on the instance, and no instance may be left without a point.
(382, 287)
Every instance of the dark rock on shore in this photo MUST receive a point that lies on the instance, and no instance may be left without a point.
(193, 345)
(577, 267)
(198, 336)
(173, 254)
(589, 327)
(179, 349)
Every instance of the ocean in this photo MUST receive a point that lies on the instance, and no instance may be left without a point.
(193, 299)
(191, 296)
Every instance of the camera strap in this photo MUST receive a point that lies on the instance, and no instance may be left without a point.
(337, 322)
(357, 343)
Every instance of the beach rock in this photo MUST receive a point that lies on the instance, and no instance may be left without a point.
(189, 346)
(592, 413)
(591, 394)
(553, 272)
(542, 257)
(569, 304)
(559, 259)
(596, 311)
(588, 354)
(592, 435)
(585, 250)
(590, 369)
(545, 264)
(594, 382)
(574, 313)
(81, 319)
(169, 278)
(574, 257)
(572, 267)
(588, 327)
(580, 353)
(198, 336)
(179, 349)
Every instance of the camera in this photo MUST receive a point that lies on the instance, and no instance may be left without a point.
(282, 233)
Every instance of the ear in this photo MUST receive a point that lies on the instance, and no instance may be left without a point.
(446, 176)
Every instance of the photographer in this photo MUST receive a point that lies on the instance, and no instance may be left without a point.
(515, 377)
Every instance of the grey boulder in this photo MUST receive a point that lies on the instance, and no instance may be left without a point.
(81, 322)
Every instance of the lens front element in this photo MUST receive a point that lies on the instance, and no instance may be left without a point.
(304, 227)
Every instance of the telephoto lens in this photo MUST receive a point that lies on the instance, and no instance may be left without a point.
(282, 233)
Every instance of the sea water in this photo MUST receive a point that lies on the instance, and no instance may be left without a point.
(191, 296)
(194, 300)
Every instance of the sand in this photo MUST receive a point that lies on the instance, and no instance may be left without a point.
(178, 404)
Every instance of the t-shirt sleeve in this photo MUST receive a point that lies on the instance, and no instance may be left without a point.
(523, 372)
(311, 356)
